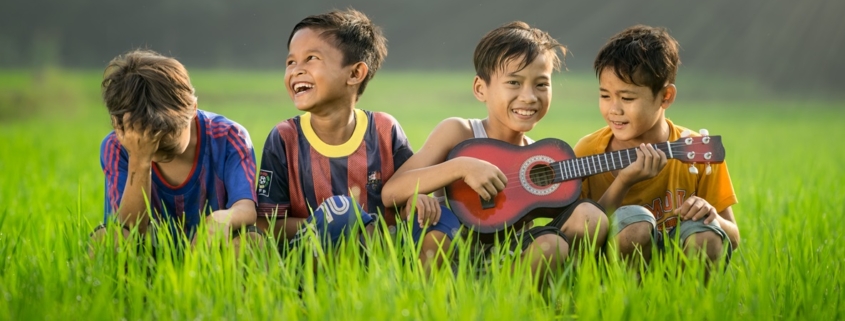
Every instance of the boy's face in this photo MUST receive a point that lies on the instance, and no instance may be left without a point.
(171, 146)
(632, 112)
(517, 99)
(315, 75)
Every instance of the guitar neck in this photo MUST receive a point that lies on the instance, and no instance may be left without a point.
(600, 163)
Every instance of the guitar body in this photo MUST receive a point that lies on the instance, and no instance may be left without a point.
(530, 191)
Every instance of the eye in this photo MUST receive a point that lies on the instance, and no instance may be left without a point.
(628, 98)
(289, 62)
(512, 82)
(544, 85)
(312, 57)
(604, 96)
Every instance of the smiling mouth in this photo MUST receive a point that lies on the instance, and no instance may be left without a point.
(524, 112)
(301, 87)
(618, 123)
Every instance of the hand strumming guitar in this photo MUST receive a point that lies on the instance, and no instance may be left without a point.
(483, 177)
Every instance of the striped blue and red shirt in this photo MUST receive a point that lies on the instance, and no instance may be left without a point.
(299, 171)
(223, 173)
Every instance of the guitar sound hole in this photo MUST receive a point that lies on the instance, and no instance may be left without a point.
(541, 175)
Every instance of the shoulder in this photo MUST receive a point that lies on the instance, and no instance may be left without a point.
(219, 123)
(595, 142)
(454, 125)
(110, 144)
(676, 130)
(449, 133)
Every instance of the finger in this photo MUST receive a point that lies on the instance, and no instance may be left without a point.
(482, 192)
(498, 184)
(698, 209)
(640, 162)
(653, 156)
(490, 190)
(701, 213)
(420, 207)
(710, 216)
(437, 211)
(502, 178)
(683, 210)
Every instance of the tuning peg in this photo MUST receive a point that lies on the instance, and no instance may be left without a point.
(693, 170)
(685, 133)
(708, 170)
(704, 132)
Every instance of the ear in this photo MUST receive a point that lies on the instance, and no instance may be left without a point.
(358, 73)
(668, 96)
(479, 89)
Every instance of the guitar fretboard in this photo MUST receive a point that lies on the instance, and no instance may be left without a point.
(600, 163)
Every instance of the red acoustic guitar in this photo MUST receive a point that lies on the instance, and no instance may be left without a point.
(547, 175)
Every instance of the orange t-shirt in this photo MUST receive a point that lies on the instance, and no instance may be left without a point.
(669, 189)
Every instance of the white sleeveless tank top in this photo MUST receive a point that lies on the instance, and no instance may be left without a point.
(479, 132)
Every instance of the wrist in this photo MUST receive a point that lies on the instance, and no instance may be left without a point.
(140, 161)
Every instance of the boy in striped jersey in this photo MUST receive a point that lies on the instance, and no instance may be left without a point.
(326, 167)
(193, 166)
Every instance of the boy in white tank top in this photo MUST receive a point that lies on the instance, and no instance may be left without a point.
(514, 65)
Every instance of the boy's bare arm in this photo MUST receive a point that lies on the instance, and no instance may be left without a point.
(284, 228)
(728, 224)
(428, 170)
(242, 213)
(140, 146)
(649, 163)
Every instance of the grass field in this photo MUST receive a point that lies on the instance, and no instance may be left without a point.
(785, 157)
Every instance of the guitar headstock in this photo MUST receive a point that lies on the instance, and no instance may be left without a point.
(698, 149)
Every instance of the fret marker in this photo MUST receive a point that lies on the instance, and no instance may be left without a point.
(668, 145)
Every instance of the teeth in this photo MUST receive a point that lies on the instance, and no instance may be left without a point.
(299, 87)
(525, 112)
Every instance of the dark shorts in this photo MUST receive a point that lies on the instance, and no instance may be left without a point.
(523, 239)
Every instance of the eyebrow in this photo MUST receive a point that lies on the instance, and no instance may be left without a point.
(309, 51)
(623, 91)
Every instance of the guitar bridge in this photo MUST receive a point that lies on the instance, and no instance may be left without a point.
(487, 204)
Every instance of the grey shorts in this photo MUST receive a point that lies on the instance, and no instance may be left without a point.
(630, 214)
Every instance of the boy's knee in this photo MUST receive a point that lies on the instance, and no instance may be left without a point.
(708, 242)
(433, 242)
(635, 234)
(553, 248)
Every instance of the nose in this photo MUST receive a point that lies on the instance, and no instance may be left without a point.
(616, 107)
(527, 95)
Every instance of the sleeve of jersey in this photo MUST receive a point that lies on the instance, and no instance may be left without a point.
(273, 188)
(717, 188)
(401, 147)
(239, 173)
(115, 165)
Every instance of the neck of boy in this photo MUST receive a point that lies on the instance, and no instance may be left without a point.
(504, 134)
(334, 128)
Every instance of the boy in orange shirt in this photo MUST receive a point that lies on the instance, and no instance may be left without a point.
(636, 71)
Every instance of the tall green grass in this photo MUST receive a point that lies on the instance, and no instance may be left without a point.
(785, 157)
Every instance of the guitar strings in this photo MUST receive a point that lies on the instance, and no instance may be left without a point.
(588, 168)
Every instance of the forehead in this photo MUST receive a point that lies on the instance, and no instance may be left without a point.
(309, 39)
(609, 80)
(542, 65)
